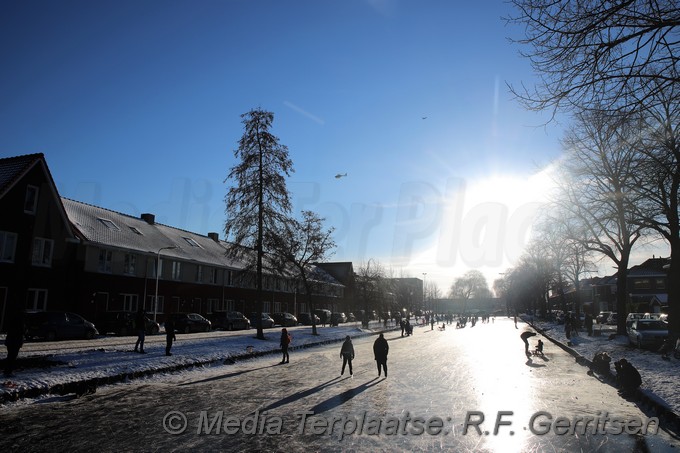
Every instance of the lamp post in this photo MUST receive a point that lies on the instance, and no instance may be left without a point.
(424, 291)
(158, 269)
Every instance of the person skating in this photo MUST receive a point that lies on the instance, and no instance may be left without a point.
(347, 354)
(169, 335)
(14, 339)
(380, 350)
(140, 325)
(285, 341)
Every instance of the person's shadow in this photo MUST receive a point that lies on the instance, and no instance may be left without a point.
(337, 400)
(299, 395)
(531, 363)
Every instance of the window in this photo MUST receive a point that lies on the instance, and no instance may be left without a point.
(36, 299)
(42, 252)
(229, 278)
(176, 270)
(8, 244)
(266, 307)
(199, 273)
(104, 264)
(31, 200)
(130, 264)
(129, 302)
(158, 268)
(277, 307)
(213, 275)
(641, 283)
(135, 230)
(660, 283)
(160, 308)
(109, 224)
(191, 242)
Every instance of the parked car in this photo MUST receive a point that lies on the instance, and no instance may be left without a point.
(190, 322)
(351, 317)
(611, 319)
(267, 321)
(653, 316)
(58, 325)
(284, 319)
(323, 314)
(630, 317)
(648, 332)
(232, 320)
(306, 319)
(338, 318)
(602, 317)
(123, 323)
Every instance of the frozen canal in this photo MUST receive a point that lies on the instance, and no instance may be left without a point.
(466, 389)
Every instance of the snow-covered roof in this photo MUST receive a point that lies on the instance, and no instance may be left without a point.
(142, 234)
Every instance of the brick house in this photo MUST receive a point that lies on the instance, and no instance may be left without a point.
(61, 254)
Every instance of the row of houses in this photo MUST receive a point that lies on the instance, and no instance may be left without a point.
(646, 283)
(62, 254)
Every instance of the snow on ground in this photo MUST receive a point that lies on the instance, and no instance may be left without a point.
(108, 357)
(661, 377)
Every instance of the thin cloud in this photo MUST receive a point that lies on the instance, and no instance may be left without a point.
(304, 112)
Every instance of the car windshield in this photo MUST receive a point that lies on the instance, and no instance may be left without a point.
(652, 325)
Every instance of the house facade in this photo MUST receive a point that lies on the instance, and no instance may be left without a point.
(646, 283)
(62, 254)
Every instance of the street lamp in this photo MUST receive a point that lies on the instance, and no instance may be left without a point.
(424, 290)
(158, 269)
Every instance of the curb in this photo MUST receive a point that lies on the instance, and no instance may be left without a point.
(645, 399)
(89, 386)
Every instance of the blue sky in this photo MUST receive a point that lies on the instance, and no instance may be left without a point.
(136, 106)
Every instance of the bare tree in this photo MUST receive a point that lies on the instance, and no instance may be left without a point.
(592, 54)
(659, 185)
(598, 191)
(558, 236)
(300, 244)
(471, 285)
(370, 281)
(258, 201)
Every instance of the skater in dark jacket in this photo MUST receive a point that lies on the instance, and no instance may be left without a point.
(347, 354)
(15, 337)
(380, 350)
(285, 341)
(140, 325)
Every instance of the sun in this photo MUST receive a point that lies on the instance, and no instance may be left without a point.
(485, 225)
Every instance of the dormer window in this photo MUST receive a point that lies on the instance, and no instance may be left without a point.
(31, 200)
(109, 224)
(191, 242)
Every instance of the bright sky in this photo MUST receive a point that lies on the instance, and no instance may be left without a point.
(136, 106)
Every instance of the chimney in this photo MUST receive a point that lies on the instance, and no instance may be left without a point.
(214, 236)
(148, 218)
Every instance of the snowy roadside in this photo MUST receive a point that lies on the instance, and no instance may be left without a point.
(63, 371)
(660, 377)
